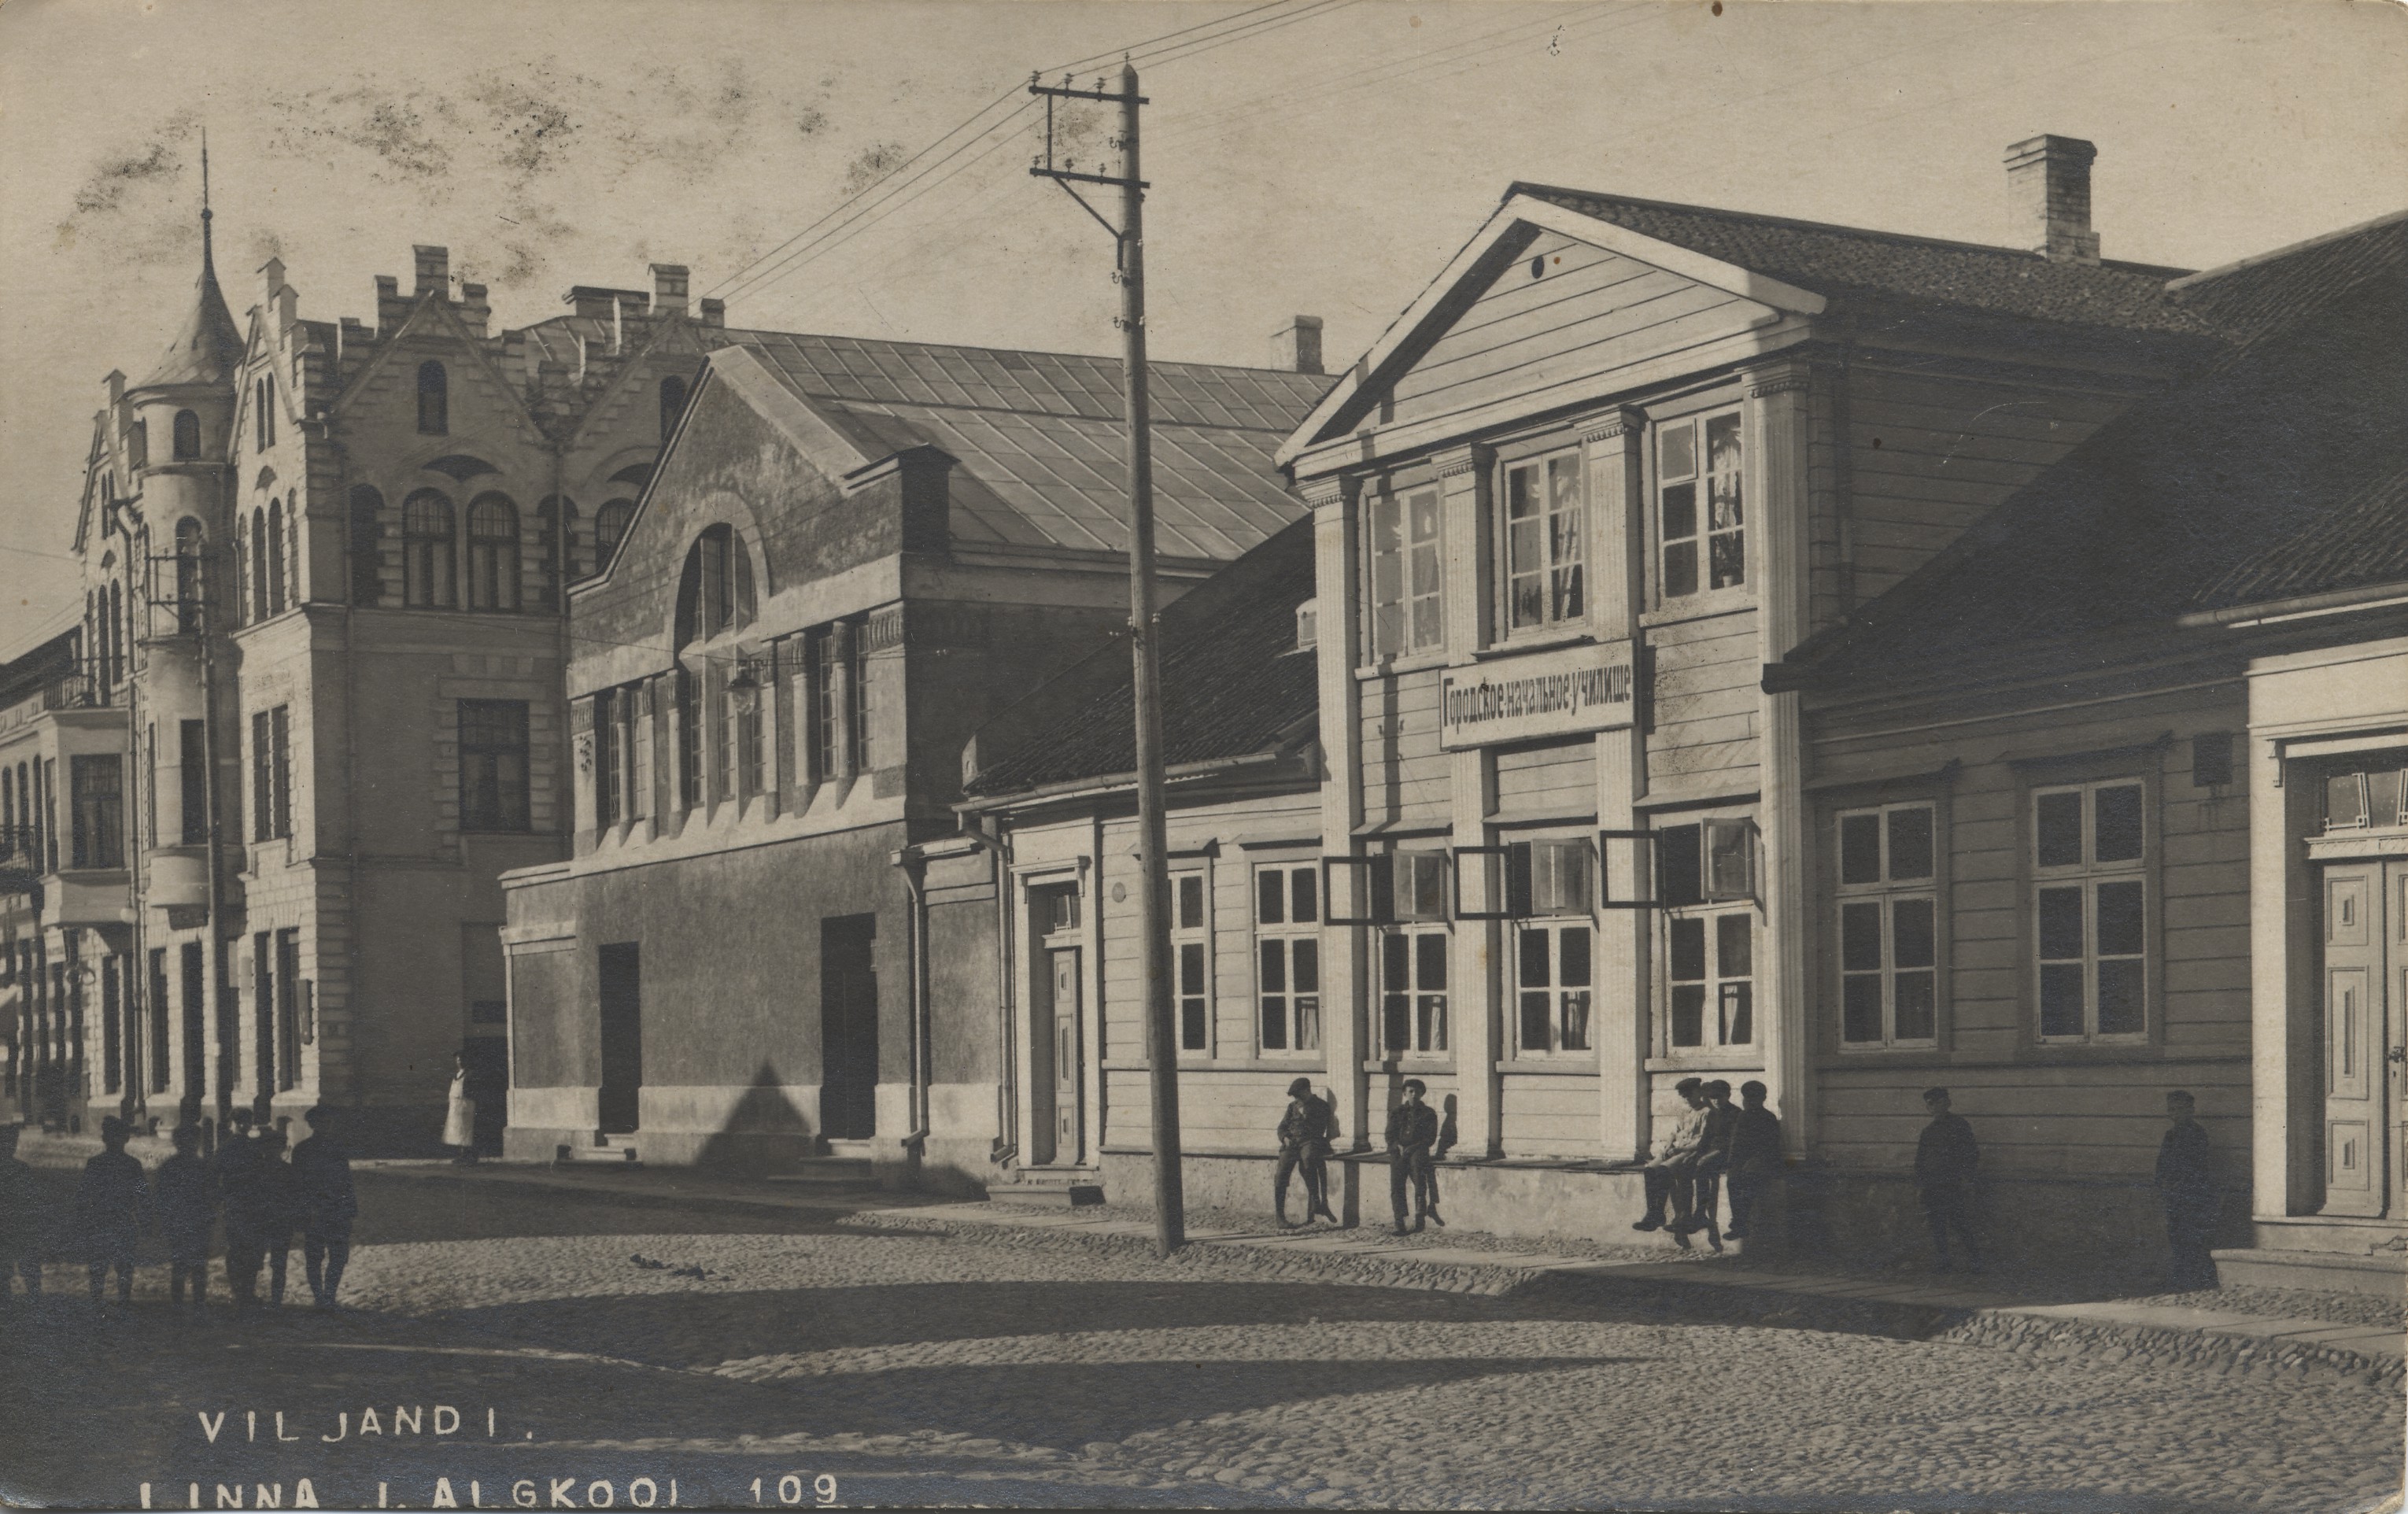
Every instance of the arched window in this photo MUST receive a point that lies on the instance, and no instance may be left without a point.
(426, 546)
(259, 607)
(188, 574)
(137, 444)
(672, 404)
(556, 523)
(716, 593)
(434, 400)
(275, 555)
(188, 437)
(368, 533)
(493, 553)
(611, 524)
(263, 396)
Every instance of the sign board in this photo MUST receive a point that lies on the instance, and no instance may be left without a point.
(1558, 693)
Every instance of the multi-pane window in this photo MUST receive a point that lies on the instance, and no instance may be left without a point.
(1706, 877)
(1191, 949)
(493, 553)
(187, 438)
(2374, 796)
(555, 522)
(1407, 577)
(427, 550)
(610, 803)
(689, 739)
(2090, 905)
(1544, 527)
(1700, 522)
(1287, 946)
(188, 576)
(367, 555)
(288, 1009)
(493, 765)
(1888, 928)
(272, 557)
(1412, 991)
(611, 524)
(865, 706)
(823, 706)
(434, 400)
(672, 404)
(96, 785)
(193, 754)
(271, 775)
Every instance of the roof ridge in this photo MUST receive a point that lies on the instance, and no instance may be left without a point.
(1025, 352)
(2120, 265)
(2259, 259)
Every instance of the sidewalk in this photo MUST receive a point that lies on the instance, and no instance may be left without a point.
(1977, 1311)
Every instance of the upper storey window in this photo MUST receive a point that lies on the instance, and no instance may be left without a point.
(1407, 593)
(611, 524)
(188, 437)
(1544, 531)
(263, 396)
(1702, 523)
(672, 404)
(426, 543)
(434, 400)
(715, 593)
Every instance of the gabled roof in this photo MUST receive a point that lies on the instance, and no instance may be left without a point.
(208, 347)
(1239, 687)
(2280, 472)
(1039, 441)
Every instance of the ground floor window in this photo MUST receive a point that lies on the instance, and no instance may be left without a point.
(1710, 963)
(1412, 991)
(1191, 944)
(1554, 972)
(1287, 947)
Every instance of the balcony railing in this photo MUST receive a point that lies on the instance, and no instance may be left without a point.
(75, 690)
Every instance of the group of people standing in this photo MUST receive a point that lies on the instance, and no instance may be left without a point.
(264, 1198)
(1309, 1125)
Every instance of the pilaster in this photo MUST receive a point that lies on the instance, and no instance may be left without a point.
(1776, 433)
(1611, 447)
(1344, 954)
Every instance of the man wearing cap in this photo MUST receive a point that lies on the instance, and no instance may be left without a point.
(112, 1201)
(1304, 1133)
(1754, 1155)
(1672, 1174)
(322, 1177)
(2185, 1183)
(1412, 1131)
(1945, 1159)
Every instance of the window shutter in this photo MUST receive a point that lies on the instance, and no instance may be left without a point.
(1518, 870)
(1560, 878)
(1730, 860)
(1419, 880)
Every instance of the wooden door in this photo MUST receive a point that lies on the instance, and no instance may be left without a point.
(2357, 1026)
(2395, 1047)
(1043, 1093)
(848, 1027)
(621, 971)
(1069, 1084)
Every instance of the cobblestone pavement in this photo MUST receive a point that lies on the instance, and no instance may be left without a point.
(615, 1344)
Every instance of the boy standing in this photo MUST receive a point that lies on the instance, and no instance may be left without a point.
(1304, 1133)
(2186, 1182)
(108, 1211)
(1754, 1155)
(321, 1176)
(187, 1191)
(1945, 1160)
(1412, 1131)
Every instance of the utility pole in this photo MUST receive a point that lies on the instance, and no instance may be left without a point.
(1154, 898)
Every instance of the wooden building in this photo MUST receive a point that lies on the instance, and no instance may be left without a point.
(2141, 736)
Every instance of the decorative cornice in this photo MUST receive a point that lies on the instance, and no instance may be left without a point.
(1622, 420)
(1780, 380)
(1471, 457)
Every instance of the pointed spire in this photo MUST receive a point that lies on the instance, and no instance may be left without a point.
(208, 347)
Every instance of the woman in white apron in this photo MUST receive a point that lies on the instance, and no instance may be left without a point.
(460, 1119)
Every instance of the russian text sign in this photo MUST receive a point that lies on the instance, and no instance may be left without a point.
(1584, 687)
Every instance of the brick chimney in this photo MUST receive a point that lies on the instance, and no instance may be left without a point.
(2048, 197)
(434, 266)
(668, 288)
(1296, 346)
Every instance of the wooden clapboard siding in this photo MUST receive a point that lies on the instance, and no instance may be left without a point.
(1704, 698)
(1551, 1114)
(1550, 782)
(2099, 1120)
(1404, 769)
(1593, 311)
(1228, 1110)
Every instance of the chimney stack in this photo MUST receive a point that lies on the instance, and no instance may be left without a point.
(668, 288)
(714, 312)
(1295, 348)
(2048, 197)
(475, 308)
(434, 270)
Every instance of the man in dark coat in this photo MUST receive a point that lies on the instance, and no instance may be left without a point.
(109, 1206)
(1755, 1156)
(186, 1192)
(322, 1177)
(24, 1220)
(260, 1214)
(1304, 1133)
(2186, 1182)
(1944, 1160)
(1412, 1132)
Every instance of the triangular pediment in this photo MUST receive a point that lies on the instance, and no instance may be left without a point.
(1541, 296)
(469, 368)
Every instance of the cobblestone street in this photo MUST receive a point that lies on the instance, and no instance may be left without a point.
(614, 1342)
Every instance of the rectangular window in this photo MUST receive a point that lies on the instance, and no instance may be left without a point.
(1888, 914)
(1191, 949)
(271, 805)
(96, 786)
(1406, 596)
(689, 739)
(823, 721)
(262, 1007)
(493, 765)
(609, 803)
(1287, 946)
(1545, 529)
(161, 1045)
(1710, 969)
(2090, 911)
(1413, 992)
(865, 706)
(1554, 977)
(193, 754)
(150, 785)
(288, 1009)
(1700, 521)
(111, 1054)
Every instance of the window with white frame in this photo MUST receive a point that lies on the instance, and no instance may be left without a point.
(1550, 890)
(1706, 875)
(1545, 533)
(1890, 988)
(1287, 954)
(1412, 991)
(2090, 910)
(1407, 589)
(1191, 949)
(1700, 519)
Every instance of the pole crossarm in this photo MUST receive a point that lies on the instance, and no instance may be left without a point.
(1090, 179)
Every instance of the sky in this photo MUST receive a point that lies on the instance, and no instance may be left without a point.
(1321, 157)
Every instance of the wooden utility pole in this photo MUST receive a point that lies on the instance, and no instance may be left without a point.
(1154, 897)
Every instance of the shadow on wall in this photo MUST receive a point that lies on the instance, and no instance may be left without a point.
(767, 1128)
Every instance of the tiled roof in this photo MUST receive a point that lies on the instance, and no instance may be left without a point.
(208, 347)
(1038, 437)
(1841, 262)
(2280, 472)
(1235, 683)
(2258, 294)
